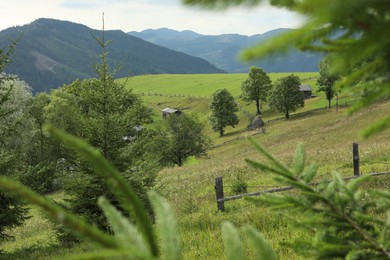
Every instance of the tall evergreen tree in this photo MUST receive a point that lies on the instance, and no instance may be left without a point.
(14, 96)
(107, 115)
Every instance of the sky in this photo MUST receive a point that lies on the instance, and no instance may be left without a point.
(138, 15)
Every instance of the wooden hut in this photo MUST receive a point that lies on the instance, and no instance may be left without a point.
(169, 111)
(306, 90)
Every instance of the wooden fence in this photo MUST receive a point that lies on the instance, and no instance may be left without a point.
(171, 95)
(219, 182)
(343, 104)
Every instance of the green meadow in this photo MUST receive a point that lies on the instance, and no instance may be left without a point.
(197, 85)
(327, 135)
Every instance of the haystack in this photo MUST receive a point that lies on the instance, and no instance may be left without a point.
(257, 122)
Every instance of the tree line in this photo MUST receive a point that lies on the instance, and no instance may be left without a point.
(284, 96)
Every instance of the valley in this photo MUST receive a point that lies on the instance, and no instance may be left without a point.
(326, 134)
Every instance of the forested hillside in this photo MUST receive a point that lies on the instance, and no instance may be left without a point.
(223, 50)
(51, 53)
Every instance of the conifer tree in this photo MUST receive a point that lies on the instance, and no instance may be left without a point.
(12, 211)
(107, 115)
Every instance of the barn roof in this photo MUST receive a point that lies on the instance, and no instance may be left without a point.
(305, 87)
(169, 110)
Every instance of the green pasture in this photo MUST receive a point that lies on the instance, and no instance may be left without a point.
(327, 135)
(198, 85)
(191, 94)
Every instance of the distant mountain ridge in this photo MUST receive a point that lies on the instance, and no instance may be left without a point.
(51, 53)
(222, 50)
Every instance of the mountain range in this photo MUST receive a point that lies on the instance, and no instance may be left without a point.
(51, 53)
(222, 50)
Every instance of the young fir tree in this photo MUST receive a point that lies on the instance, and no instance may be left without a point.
(345, 220)
(223, 108)
(14, 97)
(110, 117)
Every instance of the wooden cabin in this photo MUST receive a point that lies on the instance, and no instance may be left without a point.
(306, 90)
(169, 111)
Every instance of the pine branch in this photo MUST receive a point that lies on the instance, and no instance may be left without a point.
(340, 209)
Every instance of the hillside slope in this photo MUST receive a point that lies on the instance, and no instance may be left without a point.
(51, 53)
(222, 50)
(327, 136)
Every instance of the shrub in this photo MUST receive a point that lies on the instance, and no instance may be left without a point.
(41, 178)
(239, 185)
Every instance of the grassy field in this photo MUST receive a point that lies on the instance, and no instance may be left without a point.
(326, 134)
(191, 94)
(328, 138)
(198, 85)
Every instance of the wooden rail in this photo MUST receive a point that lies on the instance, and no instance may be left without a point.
(219, 183)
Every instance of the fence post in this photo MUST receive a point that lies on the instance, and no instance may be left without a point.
(219, 193)
(355, 147)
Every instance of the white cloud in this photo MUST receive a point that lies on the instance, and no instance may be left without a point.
(137, 15)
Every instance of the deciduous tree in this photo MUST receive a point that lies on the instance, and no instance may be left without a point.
(285, 96)
(256, 87)
(39, 102)
(223, 108)
(326, 81)
(179, 137)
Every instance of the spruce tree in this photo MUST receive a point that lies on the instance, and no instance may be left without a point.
(12, 211)
(110, 117)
